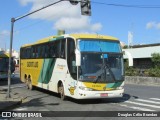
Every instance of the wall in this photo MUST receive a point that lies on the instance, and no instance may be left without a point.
(142, 80)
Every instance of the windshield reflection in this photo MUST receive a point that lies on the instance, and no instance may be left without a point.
(100, 67)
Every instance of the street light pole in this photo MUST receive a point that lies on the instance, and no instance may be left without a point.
(13, 20)
(10, 57)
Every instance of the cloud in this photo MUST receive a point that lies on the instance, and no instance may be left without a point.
(4, 33)
(63, 15)
(158, 26)
(77, 24)
(25, 2)
(153, 25)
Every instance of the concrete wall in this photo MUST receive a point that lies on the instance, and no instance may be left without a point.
(142, 80)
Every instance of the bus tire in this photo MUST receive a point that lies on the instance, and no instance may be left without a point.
(61, 92)
(29, 84)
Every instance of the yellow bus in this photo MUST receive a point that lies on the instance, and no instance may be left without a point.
(81, 66)
(4, 63)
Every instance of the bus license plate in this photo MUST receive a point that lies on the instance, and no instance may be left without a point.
(104, 94)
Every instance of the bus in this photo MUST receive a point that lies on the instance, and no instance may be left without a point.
(4, 63)
(80, 66)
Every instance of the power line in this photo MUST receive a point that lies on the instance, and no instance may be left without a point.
(40, 21)
(129, 6)
(100, 3)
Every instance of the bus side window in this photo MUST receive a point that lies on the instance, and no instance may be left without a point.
(25, 52)
(57, 48)
(63, 48)
(51, 50)
(39, 48)
(33, 52)
(46, 50)
(43, 51)
(22, 53)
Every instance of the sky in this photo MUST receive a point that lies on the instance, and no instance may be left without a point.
(143, 24)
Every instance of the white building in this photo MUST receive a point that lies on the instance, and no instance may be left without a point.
(142, 54)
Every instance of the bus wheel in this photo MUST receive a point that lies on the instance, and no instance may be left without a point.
(61, 92)
(29, 84)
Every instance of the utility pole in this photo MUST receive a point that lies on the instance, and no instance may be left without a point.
(13, 20)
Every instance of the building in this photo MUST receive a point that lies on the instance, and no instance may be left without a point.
(142, 55)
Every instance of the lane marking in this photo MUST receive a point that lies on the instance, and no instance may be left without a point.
(154, 99)
(142, 104)
(137, 108)
(20, 109)
(148, 101)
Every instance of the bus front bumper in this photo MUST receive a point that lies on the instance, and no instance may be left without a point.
(100, 94)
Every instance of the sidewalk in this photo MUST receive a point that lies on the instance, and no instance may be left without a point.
(9, 103)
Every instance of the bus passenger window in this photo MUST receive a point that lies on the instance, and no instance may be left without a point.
(57, 48)
(39, 51)
(46, 50)
(34, 52)
(63, 47)
(51, 51)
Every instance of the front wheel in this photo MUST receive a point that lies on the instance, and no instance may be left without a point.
(61, 92)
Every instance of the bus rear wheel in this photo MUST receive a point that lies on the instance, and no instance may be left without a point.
(61, 92)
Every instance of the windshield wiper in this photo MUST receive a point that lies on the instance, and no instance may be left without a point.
(103, 71)
(100, 72)
(110, 72)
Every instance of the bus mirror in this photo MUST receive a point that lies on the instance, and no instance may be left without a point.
(78, 58)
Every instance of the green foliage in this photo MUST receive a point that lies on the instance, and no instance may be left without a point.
(154, 72)
(130, 71)
(156, 59)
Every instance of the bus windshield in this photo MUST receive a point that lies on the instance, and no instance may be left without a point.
(101, 61)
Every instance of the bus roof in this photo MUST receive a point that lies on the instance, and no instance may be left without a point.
(3, 55)
(94, 36)
(76, 36)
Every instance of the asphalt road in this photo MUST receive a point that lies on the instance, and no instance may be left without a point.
(136, 98)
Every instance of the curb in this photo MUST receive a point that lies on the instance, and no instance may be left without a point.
(9, 103)
(10, 106)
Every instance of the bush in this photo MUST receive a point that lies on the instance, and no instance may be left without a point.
(130, 71)
(154, 72)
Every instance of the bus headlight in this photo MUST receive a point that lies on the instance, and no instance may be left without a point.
(120, 88)
(85, 88)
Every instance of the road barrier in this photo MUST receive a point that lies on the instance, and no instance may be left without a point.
(142, 80)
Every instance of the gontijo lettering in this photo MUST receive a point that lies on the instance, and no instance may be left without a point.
(32, 64)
